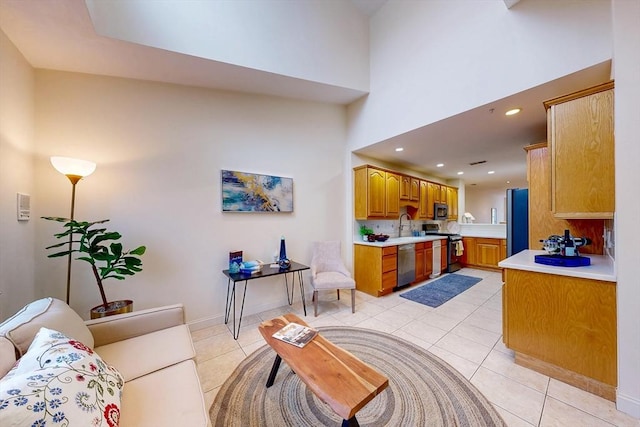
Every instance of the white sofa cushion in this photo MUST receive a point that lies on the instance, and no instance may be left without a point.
(138, 356)
(50, 313)
(170, 397)
(7, 356)
(59, 380)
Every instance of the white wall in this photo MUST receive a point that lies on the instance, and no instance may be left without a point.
(480, 201)
(16, 175)
(317, 40)
(159, 150)
(626, 17)
(433, 59)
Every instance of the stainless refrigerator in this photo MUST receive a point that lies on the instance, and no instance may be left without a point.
(517, 220)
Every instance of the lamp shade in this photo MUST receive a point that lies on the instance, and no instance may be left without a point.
(71, 166)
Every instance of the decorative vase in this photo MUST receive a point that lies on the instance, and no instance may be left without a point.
(113, 307)
(283, 261)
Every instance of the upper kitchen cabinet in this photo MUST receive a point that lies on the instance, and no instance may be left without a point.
(409, 188)
(452, 203)
(580, 133)
(376, 193)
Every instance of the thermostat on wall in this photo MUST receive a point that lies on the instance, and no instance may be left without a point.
(24, 207)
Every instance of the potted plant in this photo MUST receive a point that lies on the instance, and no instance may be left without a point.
(99, 247)
(365, 232)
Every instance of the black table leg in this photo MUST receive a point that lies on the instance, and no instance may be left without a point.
(351, 422)
(231, 301)
(274, 370)
(304, 306)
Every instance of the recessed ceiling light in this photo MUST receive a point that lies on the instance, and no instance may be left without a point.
(491, 172)
(513, 111)
(439, 165)
(460, 173)
(399, 149)
(508, 182)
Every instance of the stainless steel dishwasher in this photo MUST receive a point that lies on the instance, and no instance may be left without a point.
(406, 264)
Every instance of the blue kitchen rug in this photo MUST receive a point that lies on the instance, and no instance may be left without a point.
(442, 290)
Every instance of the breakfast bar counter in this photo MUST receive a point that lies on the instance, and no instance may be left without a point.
(601, 268)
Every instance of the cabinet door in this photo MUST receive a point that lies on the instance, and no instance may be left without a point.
(487, 252)
(428, 260)
(469, 254)
(433, 196)
(414, 194)
(443, 256)
(392, 195)
(405, 187)
(582, 156)
(452, 202)
(377, 193)
(419, 262)
(503, 249)
(443, 194)
(423, 206)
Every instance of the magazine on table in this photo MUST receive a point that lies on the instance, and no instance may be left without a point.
(296, 334)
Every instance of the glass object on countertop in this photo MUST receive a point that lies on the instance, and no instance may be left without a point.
(494, 216)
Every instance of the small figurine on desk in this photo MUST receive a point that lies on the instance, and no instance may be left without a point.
(283, 261)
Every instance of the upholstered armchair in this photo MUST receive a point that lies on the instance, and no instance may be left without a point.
(328, 272)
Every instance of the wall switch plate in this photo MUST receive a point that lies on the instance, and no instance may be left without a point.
(24, 206)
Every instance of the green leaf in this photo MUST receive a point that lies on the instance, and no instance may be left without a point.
(116, 248)
(129, 261)
(140, 250)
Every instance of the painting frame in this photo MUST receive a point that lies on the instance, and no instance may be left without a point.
(255, 192)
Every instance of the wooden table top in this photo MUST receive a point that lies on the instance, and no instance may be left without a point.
(333, 374)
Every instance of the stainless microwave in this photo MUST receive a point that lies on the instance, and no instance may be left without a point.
(440, 211)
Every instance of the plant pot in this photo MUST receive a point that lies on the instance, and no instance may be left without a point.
(113, 307)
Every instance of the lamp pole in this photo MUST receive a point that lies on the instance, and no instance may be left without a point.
(74, 180)
(75, 170)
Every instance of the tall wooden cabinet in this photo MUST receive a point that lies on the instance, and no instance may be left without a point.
(581, 142)
(542, 222)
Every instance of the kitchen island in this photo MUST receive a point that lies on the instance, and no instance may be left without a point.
(561, 321)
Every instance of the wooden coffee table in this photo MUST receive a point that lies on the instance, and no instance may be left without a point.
(334, 375)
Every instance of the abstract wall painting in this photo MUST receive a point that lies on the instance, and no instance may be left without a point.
(250, 192)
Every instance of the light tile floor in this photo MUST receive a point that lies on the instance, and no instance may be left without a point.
(466, 332)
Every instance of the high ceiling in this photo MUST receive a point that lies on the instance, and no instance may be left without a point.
(59, 35)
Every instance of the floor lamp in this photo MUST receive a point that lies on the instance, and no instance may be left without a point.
(75, 170)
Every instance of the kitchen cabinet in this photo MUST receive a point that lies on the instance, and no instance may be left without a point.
(379, 194)
(423, 206)
(482, 252)
(424, 261)
(405, 187)
(542, 222)
(443, 255)
(452, 203)
(580, 134)
(375, 269)
(564, 327)
(376, 193)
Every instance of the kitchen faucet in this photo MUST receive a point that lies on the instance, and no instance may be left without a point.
(400, 225)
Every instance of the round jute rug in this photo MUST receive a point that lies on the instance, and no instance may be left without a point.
(423, 389)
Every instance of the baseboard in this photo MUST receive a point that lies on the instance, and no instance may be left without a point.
(585, 383)
(628, 404)
(208, 322)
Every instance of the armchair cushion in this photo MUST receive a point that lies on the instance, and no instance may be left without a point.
(333, 280)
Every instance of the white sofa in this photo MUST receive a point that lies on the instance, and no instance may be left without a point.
(151, 349)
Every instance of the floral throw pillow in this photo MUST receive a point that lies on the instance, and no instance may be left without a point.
(60, 382)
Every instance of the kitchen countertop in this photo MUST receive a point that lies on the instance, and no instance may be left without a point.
(395, 241)
(601, 268)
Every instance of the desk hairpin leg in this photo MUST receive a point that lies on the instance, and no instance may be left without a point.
(293, 287)
(231, 301)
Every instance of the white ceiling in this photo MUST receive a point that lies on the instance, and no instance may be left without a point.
(59, 35)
